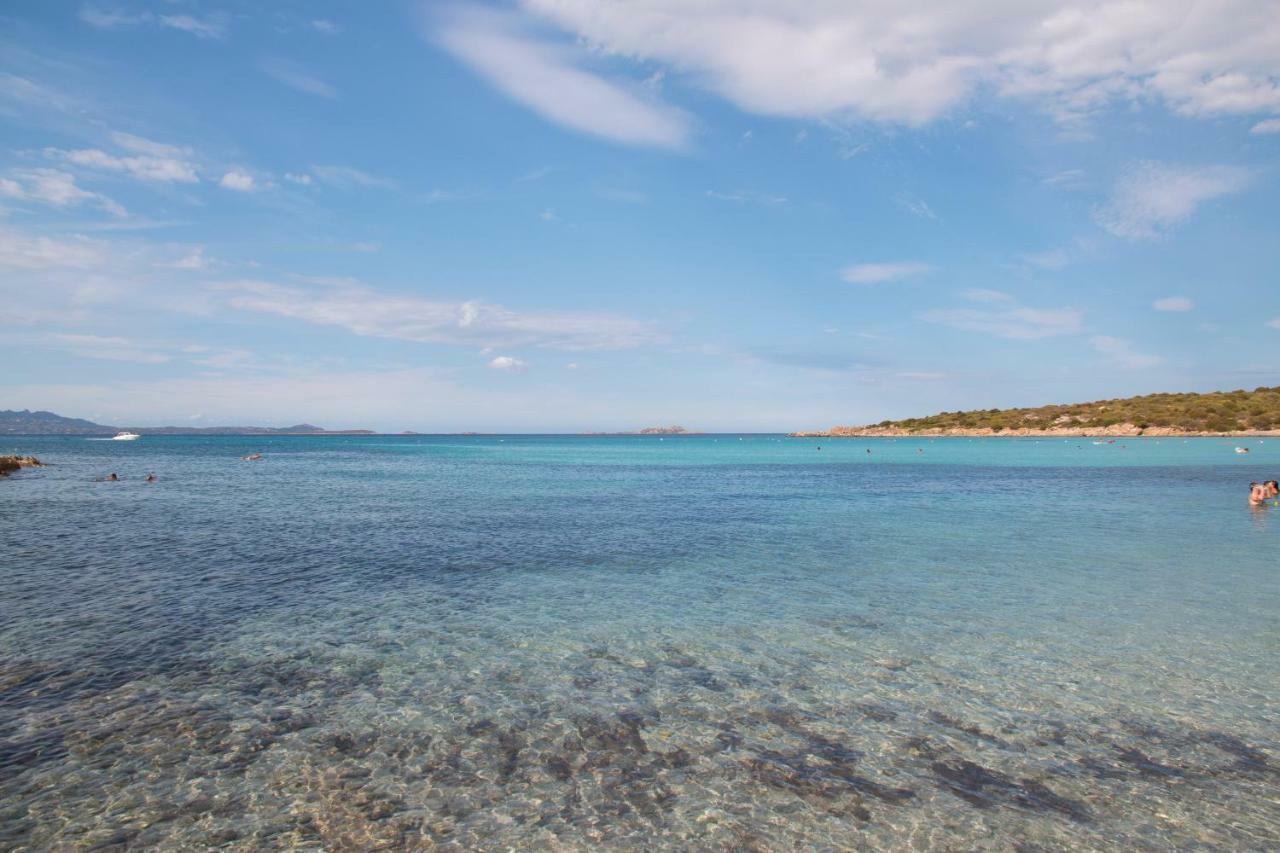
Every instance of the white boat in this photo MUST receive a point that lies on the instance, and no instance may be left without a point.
(1242, 450)
(126, 436)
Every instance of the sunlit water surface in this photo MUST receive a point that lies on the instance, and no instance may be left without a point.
(693, 642)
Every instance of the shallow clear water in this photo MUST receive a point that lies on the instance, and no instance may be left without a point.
(690, 642)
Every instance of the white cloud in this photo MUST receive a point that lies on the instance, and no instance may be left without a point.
(295, 76)
(1012, 321)
(877, 273)
(21, 251)
(345, 177)
(1150, 198)
(1173, 303)
(1274, 323)
(543, 76)
(1122, 354)
(913, 61)
(299, 178)
(238, 180)
(1271, 125)
(327, 27)
(364, 311)
(53, 187)
(212, 27)
(507, 363)
(152, 161)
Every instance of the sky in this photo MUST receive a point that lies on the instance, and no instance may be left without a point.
(571, 215)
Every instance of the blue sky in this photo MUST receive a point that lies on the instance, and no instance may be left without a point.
(565, 215)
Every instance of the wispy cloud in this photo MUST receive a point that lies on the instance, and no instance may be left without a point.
(192, 260)
(1008, 319)
(982, 294)
(545, 77)
(364, 311)
(55, 188)
(112, 19)
(108, 349)
(147, 161)
(1270, 125)
(1121, 353)
(1150, 198)
(1051, 259)
(882, 272)
(346, 178)
(103, 18)
(1173, 303)
(27, 252)
(1065, 179)
(296, 77)
(211, 27)
(747, 197)
(915, 206)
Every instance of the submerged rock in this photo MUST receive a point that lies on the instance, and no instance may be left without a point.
(9, 464)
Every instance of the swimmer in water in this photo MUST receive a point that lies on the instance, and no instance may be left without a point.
(1257, 494)
(1272, 487)
(111, 478)
(150, 478)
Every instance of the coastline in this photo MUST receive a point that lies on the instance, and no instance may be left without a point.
(1114, 431)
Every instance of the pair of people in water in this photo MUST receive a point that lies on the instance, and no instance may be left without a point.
(112, 478)
(1260, 493)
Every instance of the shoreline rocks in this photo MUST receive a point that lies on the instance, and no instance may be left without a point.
(9, 464)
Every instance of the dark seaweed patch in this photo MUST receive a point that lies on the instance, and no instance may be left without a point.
(986, 788)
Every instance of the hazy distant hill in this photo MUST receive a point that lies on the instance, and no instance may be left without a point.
(26, 422)
(1169, 414)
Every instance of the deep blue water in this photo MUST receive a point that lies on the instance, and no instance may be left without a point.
(703, 641)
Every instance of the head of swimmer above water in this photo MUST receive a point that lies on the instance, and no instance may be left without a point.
(1257, 493)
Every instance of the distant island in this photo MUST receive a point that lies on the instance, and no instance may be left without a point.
(1255, 412)
(653, 430)
(26, 422)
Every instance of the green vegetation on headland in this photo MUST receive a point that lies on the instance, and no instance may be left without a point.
(1214, 413)
(9, 464)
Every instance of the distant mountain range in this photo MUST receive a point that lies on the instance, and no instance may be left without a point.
(26, 422)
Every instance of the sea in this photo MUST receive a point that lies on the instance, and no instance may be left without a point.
(699, 642)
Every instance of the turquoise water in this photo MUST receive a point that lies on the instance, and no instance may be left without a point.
(701, 642)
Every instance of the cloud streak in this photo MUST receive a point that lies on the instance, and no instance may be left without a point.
(363, 311)
(883, 272)
(1151, 198)
(1008, 319)
(545, 77)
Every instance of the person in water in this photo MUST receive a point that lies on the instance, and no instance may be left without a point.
(1272, 487)
(1257, 494)
(150, 478)
(112, 477)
